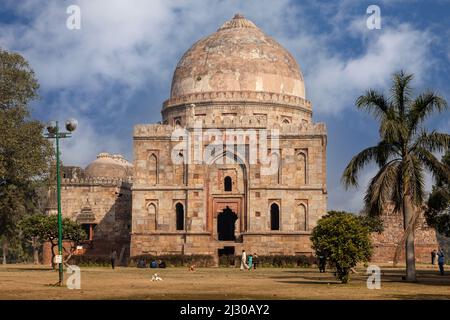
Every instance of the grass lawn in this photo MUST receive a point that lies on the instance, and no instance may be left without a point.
(34, 282)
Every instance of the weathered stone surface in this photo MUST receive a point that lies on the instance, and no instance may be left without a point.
(390, 241)
(238, 57)
(236, 79)
(99, 199)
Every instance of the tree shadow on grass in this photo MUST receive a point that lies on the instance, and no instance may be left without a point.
(422, 296)
(324, 282)
(307, 278)
(302, 271)
(31, 268)
(423, 278)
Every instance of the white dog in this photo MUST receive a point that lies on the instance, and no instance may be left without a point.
(155, 277)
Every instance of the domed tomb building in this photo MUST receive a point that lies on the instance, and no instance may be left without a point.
(237, 162)
(98, 197)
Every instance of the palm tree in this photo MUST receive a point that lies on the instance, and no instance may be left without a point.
(404, 152)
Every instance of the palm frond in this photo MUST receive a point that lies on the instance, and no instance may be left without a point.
(413, 179)
(374, 102)
(379, 154)
(433, 142)
(382, 187)
(437, 168)
(423, 106)
(401, 91)
(392, 130)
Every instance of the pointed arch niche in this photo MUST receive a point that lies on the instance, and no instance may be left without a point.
(301, 172)
(152, 215)
(301, 216)
(153, 168)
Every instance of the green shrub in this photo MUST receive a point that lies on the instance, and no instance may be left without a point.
(344, 240)
(90, 261)
(283, 261)
(175, 260)
(228, 260)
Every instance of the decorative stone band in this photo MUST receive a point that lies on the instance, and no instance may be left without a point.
(99, 181)
(253, 96)
(243, 122)
(244, 234)
(86, 216)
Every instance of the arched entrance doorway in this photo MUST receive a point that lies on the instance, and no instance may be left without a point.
(226, 225)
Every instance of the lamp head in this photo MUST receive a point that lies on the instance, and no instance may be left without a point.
(51, 127)
(71, 124)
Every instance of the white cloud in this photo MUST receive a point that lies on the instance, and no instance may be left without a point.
(128, 46)
(336, 82)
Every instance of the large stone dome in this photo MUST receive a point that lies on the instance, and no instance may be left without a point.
(238, 57)
(109, 166)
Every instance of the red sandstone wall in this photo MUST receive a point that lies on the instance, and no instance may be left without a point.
(386, 243)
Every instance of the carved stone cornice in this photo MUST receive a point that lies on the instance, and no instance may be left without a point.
(239, 96)
(98, 181)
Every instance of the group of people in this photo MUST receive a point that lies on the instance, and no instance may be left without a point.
(440, 259)
(141, 264)
(251, 261)
(154, 264)
(248, 262)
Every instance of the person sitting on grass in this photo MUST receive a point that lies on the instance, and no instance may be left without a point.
(161, 264)
(141, 263)
(154, 264)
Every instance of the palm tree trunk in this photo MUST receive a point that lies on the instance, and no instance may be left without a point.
(409, 243)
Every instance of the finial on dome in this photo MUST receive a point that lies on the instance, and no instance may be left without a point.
(238, 21)
(103, 155)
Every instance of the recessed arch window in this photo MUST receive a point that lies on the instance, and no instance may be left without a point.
(152, 213)
(274, 217)
(179, 211)
(179, 169)
(153, 169)
(151, 209)
(300, 218)
(228, 184)
(301, 172)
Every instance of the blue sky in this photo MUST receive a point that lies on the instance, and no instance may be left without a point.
(116, 70)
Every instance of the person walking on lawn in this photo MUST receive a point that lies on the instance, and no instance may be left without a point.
(113, 258)
(244, 260)
(441, 261)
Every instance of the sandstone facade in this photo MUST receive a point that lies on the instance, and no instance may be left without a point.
(389, 244)
(99, 199)
(236, 163)
(237, 83)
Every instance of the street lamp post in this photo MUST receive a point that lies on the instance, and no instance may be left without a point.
(54, 133)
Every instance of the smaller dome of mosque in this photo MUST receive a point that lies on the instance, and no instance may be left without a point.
(109, 166)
